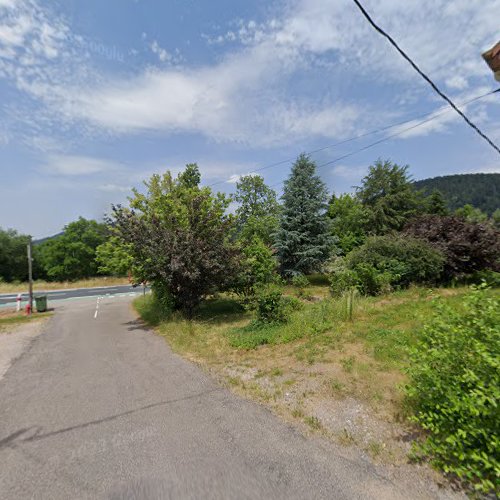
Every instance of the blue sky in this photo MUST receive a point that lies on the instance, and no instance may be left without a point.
(96, 96)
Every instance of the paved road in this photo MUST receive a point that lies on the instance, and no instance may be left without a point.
(99, 407)
(10, 298)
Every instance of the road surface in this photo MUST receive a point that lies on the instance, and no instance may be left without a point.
(99, 407)
(56, 295)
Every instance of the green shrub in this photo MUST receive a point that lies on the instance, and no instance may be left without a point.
(364, 277)
(405, 259)
(300, 282)
(258, 267)
(272, 306)
(491, 278)
(343, 280)
(454, 389)
(373, 281)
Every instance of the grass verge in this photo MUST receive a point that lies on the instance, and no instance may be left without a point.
(11, 319)
(321, 370)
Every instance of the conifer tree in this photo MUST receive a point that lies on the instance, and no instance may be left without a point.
(436, 204)
(389, 197)
(303, 240)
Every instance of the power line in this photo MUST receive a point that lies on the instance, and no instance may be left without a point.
(433, 115)
(425, 77)
(388, 137)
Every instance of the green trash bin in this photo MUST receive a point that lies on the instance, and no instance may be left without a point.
(41, 303)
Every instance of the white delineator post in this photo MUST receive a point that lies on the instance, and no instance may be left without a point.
(18, 302)
(30, 277)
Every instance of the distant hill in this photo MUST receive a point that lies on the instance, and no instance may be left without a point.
(480, 190)
(41, 240)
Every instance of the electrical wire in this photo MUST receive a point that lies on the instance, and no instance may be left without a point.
(387, 138)
(425, 77)
(433, 115)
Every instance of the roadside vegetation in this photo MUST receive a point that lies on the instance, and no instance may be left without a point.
(373, 369)
(321, 305)
(10, 319)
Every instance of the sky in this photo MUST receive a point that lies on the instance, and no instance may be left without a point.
(96, 96)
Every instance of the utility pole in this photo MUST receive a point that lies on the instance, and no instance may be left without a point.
(30, 276)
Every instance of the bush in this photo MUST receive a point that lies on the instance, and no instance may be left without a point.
(343, 279)
(272, 306)
(386, 262)
(300, 282)
(257, 267)
(398, 260)
(491, 278)
(467, 246)
(372, 281)
(454, 389)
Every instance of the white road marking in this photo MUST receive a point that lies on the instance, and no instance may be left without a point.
(97, 307)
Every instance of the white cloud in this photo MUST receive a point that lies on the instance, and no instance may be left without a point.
(350, 173)
(234, 178)
(162, 54)
(245, 96)
(458, 82)
(484, 169)
(114, 188)
(67, 165)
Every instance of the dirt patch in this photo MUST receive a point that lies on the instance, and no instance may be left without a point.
(341, 393)
(15, 340)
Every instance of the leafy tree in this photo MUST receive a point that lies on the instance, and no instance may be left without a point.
(471, 214)
(389, 197)
(179, 234)
(303, 240)
(13, 256)
(435, 203)
(349, 221)
(257, 214)
(71, 255)
(257, 268)
(467, 246)
(114, 257)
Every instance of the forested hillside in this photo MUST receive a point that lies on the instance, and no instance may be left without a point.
(480, 190)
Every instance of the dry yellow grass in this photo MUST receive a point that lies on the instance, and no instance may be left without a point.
(61, 285)
(10, 319)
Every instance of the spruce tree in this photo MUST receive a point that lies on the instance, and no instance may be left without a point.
(303, 240)
(436, 204)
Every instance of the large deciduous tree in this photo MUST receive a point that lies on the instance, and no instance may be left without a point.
(303, 240)
(114, 257)
(13, 259)
(349, 220)
(179, 233)
(71, 255)
(258, 210)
